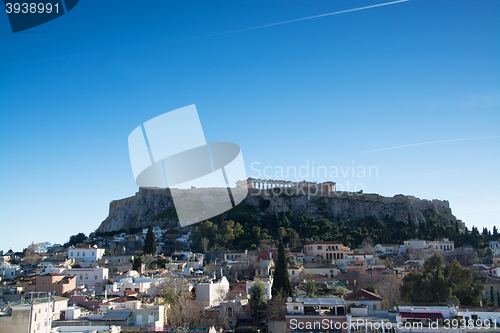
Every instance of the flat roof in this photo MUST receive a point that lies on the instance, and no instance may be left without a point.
(116, 315)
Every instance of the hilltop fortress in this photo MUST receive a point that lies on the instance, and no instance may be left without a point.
(321, 200)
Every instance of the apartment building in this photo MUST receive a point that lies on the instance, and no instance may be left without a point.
(495, 247)
(317, 251)
(52, 284)
(88, 276)
(316, 315)
(86, 253)
(213, 292)
(33, 316)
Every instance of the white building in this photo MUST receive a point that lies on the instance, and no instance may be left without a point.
(495, 247)
(264, 268)
(440, 245)
(183, 239)
(140, 285)
(268, 283)
(34, 316)
(8, 271)
(88, 276)
(86, 253)
(387, 248)
(212, 293)
(236, 256)
(494, 271)
(443, 244)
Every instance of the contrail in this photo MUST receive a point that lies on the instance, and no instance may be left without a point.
(429, 143)
(300, 19)
(219, 33)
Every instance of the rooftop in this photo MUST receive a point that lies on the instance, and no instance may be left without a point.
(86, 247)
(361, 294)
(319, 301)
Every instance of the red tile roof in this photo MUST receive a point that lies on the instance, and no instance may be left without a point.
(361, 294)
(51, 274)
(318, 242)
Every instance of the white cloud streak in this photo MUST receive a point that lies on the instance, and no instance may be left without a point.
(429, 143)
(301, 19)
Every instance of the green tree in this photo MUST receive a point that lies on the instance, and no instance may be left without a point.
(76, 239)
(257, 303)
(150, 242)
(309, 287)
(281, 280)
(440, 283)
(371, 288)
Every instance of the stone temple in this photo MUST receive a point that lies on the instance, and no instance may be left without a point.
(268, 184)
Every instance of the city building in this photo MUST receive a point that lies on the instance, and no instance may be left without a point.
(88, 276)
(361, 298)
(495, 247)
(33, 316)
(52, 284)
(316, 315)
(86, 253)
(317, 251)
(213, 292)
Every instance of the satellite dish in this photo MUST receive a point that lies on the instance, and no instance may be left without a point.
(289, 299)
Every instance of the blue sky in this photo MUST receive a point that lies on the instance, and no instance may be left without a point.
(333, 90)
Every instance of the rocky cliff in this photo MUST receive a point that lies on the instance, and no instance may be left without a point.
(155, 206)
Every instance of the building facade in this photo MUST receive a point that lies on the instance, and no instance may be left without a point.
(317, 251)
(86, 253)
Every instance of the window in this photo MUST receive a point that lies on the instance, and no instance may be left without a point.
(71, 254)
(295, 307)
(86, 276)
(83, 254)
(78, 254)
(81, 276)
(93, 255)
(44, 282)
(320, 247)
(96, 277)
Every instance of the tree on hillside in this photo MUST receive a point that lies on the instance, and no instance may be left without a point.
(309, 287)
(257, 303)
(150, 242)
(441, 283)
(204, 244)
(281, 280)
(387, 286)
(76, 239)
(32, 255)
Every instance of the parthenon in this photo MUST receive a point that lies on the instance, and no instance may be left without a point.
(264, 184)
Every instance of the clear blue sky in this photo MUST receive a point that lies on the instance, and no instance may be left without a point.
(334, 90)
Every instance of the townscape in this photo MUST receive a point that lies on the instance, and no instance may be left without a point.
(97, 284)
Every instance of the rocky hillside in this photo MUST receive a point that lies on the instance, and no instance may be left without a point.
(155, 206)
